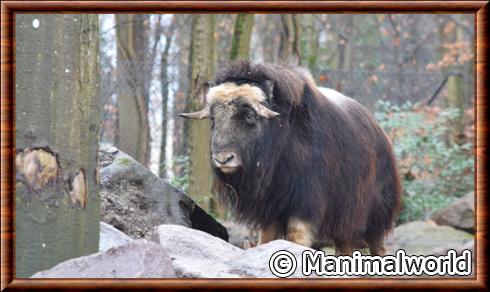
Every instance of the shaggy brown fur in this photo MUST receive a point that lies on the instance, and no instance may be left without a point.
(317, 171)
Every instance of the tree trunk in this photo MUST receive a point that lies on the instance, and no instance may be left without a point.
(290, 44)
(297, 37)
(346, 54)
(165, 83)
(202, 64)
(344, 46)
(456, 94)
(240, 44)
(133, 83)
(268, 37)
(313, 45)
(180, 137)
(455, 81)
(57, 123)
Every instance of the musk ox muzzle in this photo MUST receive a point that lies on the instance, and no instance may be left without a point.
(227, 161)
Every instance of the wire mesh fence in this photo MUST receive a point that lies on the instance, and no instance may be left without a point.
(367, 87)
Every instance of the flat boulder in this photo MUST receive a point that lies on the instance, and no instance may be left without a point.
(136, 259)
(196, 254)
(134, 200)
(179, 252)
(111, 237)
(427, 238)
(460, 214)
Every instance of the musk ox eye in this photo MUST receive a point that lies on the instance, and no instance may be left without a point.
(250, 117)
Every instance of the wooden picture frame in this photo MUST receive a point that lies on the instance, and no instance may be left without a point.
(10, 8)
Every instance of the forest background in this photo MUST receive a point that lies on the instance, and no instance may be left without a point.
(414, 72)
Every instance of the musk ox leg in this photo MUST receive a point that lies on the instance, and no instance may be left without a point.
(343, 248)
(376, 246)
(300, 232)
(267, 234)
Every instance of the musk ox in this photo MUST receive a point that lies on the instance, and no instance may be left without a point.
(300, 162)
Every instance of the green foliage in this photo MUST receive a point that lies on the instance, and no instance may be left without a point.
(182, 181)
(434, 170)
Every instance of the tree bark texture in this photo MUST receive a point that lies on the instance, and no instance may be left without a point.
(202, 69)
(57, 122)
(133, 76)
(180, 138)
(290, 44)
(456, 94)
(165, 83)
(313, 44)
(240, 44)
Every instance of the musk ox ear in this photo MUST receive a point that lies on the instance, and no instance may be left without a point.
(269, 88)
(202, 114)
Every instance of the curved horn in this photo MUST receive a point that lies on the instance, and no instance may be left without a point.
(202, 114)
(263, 111)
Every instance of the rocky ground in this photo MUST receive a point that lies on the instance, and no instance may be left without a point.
(152, 230)
(176, 251)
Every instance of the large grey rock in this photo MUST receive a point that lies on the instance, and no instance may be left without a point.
(427, 238)
(134, 200)
(111, 237)
(197, 254)
(460, 214)
(137, 259)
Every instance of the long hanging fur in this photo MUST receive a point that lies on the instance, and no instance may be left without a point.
(328, 165)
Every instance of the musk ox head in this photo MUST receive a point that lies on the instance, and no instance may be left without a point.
(240, 115)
